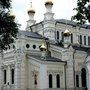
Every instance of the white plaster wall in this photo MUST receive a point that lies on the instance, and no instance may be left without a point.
(43, 77)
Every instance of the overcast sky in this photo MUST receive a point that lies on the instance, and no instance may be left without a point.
(63, 9)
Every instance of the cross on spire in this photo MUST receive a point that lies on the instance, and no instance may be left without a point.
(31, 4)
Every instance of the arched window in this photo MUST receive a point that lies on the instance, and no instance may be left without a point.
(5, 76)
(84, 40)
(80, 39)
(57, 34)
(77, 80)
(83, 76)
(71, 38)
(12, 76)
(62, 37)
(50, 81)
(89, 41)
(58, 80)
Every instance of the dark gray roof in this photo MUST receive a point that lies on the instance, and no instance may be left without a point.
(31, 34)
(48, 58)
(81, 48)
(72, 23)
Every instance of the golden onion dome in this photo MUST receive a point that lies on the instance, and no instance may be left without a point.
(11, 14)
(43, 47)
(66, 32)
(31, 10)
(49, 2)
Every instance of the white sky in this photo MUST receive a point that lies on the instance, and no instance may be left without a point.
(63, 9)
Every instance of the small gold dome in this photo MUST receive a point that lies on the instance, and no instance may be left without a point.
(49, 2)
(66, 32)
(31, 10)
(11, 14)
(43, 47)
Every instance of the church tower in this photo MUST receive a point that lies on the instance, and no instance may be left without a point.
(31, 21)
(48, 15)
(49, 22)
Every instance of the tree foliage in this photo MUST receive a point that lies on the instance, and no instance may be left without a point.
(5, 3)
(83, 11)
(8, 26)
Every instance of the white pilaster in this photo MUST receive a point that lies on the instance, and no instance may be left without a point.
(17, 76)
(80, 80)
(8, 75)
(1, 73)
(88, 77)
(54, 80)
(43, 77)
(20, 71)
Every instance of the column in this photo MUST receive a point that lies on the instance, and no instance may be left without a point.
(80, 80)
(88, 77)
(20, 70)
(17, 76)
(8, 75)
(1, 77)
(1, 73)
(54, 80)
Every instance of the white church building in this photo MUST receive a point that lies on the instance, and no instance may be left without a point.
(51, 55)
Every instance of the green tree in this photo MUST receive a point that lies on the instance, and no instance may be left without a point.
(8, 26)
(83, 12)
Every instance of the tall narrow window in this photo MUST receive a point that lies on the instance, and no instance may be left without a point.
(5, 76)
(50, 81)
(12, 76)
(62, 37)
(80, 39)
(58, 80)
(71, 38)
(57, 34)
(84, 40)
(83, 77)
(88, 41)
(77, 81)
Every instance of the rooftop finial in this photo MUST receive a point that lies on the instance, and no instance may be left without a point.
(31, 4)
(66, 32)
(31, 10)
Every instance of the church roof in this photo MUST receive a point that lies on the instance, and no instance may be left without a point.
(81, 48)
(72, 23)
(48, 58)
(31, 34)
